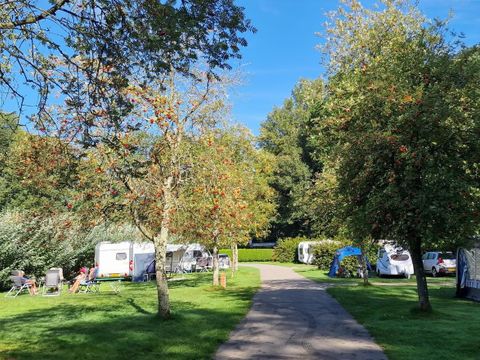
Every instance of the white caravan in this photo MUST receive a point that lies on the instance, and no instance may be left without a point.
(394, 260)
(123, 259)
(305, 250)
(130, 259)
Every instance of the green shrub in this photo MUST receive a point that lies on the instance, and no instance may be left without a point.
(323, 254)
(286, 249)
(36, 244)
(249, 255)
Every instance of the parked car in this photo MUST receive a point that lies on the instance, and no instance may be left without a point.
(436, 263)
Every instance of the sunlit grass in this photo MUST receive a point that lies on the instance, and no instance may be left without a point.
(124, 326)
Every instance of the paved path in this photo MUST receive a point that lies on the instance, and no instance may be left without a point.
(294, 318)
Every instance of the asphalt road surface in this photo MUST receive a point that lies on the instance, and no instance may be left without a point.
(295, 318)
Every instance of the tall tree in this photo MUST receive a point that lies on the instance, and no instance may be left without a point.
(139, 173)
(285, 135)
(401, 120)
(229, 199)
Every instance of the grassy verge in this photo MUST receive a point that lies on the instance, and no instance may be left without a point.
(108, 326)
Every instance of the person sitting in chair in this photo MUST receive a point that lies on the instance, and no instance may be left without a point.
(78, 279)
(32, 288)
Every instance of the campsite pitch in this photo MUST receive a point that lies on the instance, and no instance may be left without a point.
(124, 326)
(294, 318)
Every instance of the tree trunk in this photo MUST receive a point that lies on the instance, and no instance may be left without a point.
(422, 288)
(364, 269)
(234, 263)
(161, 242)
(215, 266)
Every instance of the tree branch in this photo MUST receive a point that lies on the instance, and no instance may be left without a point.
(33, 19)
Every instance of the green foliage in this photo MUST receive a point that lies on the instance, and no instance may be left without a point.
(37, 244)
(285, 135)
(125, 326)
(324, 253)
(249, 255)
(286, 250)
(228, 199)
(401, 122)
(105, 44)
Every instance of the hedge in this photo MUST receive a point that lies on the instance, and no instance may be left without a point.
(247, 255)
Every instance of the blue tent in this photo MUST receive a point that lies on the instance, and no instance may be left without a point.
(342, 253)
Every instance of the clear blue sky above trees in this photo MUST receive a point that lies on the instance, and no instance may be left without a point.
(283, 49)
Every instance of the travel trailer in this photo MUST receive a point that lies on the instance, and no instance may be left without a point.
(123, 259)
(394, 260)
(130, 259)
(305, 250)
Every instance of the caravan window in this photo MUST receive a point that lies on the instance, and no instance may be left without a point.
(121, 256)
(197, 253)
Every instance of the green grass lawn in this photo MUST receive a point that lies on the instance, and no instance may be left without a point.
(313, 273)
(124, 326)
(450, 332)
(386, 309)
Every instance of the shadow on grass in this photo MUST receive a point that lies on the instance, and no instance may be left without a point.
(76, 332)
(124, 326)
(392, 317)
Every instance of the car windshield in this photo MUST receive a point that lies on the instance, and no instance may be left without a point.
(446, 256)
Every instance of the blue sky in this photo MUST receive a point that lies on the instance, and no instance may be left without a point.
(283, 50)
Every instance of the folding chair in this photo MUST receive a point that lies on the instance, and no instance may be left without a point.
(90, 285)
(17, 287)
(53, 283)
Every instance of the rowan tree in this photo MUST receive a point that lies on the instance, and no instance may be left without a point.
(229, 199)
(400, 120)
(137, 168)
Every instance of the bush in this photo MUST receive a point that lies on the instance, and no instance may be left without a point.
(36, 244)
(286, 249)
(248, 255)
(324, 253)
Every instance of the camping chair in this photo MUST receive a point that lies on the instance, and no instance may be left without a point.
(90, 285)
(53, 282)
(17, 286)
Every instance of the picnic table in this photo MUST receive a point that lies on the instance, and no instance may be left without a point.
(115, 283)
